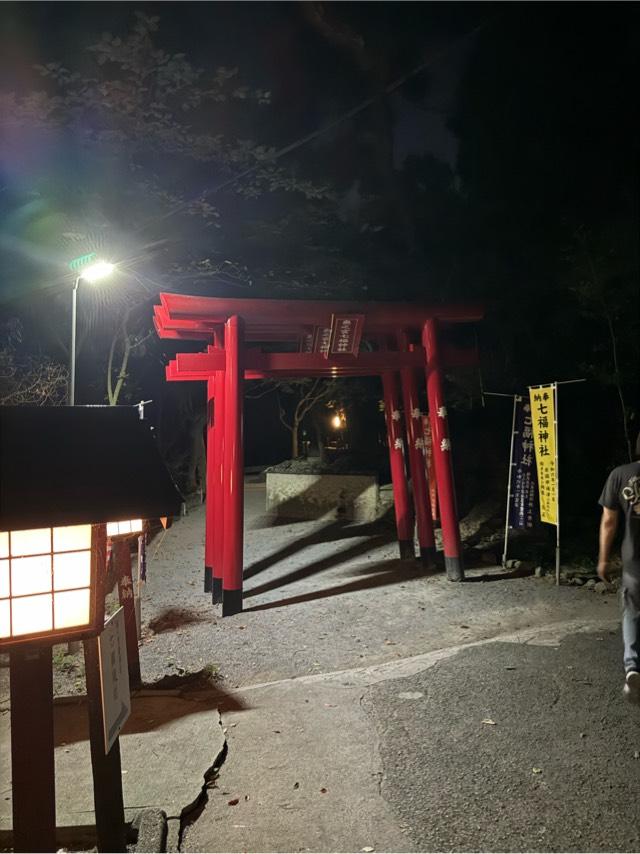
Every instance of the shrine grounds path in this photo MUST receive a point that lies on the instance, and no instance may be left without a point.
(365, 705)
(358, 704)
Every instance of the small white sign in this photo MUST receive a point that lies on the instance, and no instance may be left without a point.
(114, 677)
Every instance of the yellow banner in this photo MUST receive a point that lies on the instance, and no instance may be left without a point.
(543, 426)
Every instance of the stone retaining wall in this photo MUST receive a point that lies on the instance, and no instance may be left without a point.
(313, 496)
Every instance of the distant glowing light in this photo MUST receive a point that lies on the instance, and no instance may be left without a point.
(339, 421)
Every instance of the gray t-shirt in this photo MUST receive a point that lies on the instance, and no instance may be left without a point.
(622, 492)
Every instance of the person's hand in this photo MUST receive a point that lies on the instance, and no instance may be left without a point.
(603, 570)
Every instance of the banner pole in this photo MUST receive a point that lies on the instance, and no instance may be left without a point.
(506, 521)
(555, 427)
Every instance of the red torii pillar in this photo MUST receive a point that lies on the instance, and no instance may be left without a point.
(217, 504)
(395, 438)
(416, 454)
(233, 468)
(214, 503)
(442, 455)
(209, 519)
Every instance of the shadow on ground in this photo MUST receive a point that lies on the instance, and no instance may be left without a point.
(388, 573)
(151, 709)
(332, 532)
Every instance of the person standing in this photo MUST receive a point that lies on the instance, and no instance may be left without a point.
(621, 497)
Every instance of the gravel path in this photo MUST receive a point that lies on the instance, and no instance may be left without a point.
(322, 597)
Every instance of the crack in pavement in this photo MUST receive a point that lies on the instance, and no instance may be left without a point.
(282, 703)
(192, 812)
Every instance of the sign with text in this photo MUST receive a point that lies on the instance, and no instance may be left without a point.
(306, 341)
(322, 340)
(543, 418)
(431, 467)
(346, 331)
(114, 678)
(523, 470)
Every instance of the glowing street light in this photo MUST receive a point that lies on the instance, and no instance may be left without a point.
(92, 273)
(97, 271)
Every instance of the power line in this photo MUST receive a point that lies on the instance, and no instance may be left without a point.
(61, 283)
(303, 140)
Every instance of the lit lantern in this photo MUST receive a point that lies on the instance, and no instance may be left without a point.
(125, 529)
(50, 583)
(66, 473)
(339, 420)
(70, 478)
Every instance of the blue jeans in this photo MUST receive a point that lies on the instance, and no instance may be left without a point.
(631, 621)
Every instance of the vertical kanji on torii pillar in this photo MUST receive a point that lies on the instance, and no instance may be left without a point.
(395, 437)
(233, 479)
(442, 455)
(416, 454)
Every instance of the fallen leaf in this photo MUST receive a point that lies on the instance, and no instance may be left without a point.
(537, 770)
(233, 802)
(323, 791)
(489, 722)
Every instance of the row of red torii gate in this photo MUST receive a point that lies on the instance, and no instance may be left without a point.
(250, 339)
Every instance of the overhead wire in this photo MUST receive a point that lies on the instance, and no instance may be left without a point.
(60, 282)
(303, 140)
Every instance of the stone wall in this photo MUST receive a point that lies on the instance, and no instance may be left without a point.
(315, 496)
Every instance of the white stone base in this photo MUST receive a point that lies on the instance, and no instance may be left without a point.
(316, 496)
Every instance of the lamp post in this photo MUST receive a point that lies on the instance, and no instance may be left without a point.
(93, 273)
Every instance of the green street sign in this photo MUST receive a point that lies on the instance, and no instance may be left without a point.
(82, 261)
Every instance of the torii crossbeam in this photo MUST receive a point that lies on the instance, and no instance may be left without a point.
(257, 339)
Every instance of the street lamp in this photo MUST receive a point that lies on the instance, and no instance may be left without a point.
(93, 273)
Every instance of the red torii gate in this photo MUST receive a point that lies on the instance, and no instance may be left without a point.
(318, 339)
